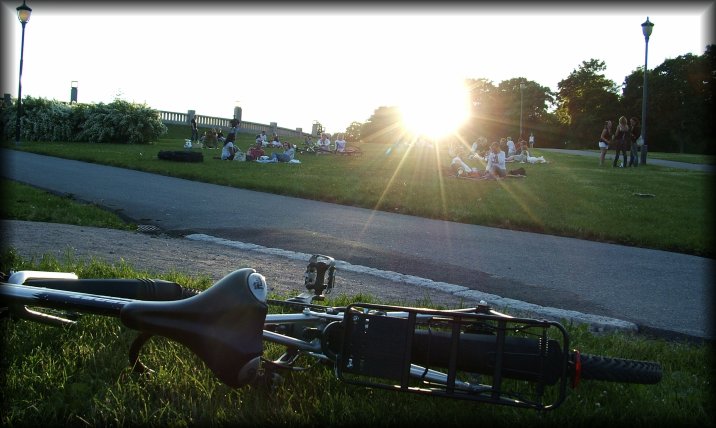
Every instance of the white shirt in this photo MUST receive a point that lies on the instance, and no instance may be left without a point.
(510, 147)
(225, 153)
(340, 145)
(324, 144)
(496, 159)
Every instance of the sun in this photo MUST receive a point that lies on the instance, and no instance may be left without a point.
(436, 110)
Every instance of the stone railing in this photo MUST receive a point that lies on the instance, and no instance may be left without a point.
(174, 118)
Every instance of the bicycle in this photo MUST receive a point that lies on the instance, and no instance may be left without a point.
(473, 354)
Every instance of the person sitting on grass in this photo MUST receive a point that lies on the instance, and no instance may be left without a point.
(340, 144)
(208, 140)
(264, 138)
(228, 151)
(464, 170)
(289, 151)
(275, 142)
(511, 149)
(496, 168)
(522, 153)
(324, 144)
(255, 152)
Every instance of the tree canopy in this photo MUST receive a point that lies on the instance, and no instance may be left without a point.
(679, 107)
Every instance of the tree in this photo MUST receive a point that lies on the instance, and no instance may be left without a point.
(586, 98)
(482, 121)
(679, 102)
(353, 132)
(384, 126)
(497, 109)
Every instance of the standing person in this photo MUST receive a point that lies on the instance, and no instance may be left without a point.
(621, 138)
(233, 131)
(194, 130)
(604, 141)
(634, 133)
(532, 140)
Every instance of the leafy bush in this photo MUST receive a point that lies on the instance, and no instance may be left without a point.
(116, 122)
(122, 122)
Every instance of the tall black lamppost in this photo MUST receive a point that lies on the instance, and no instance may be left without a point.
(522, 87)
(23, 14)
(646, 28)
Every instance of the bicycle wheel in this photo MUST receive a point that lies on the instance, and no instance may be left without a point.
(597, 367)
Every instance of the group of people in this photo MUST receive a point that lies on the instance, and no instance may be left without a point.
(496, 156)
(257, 153)
(625, 137)
(263, 139)
(323, 144)
(496, 164)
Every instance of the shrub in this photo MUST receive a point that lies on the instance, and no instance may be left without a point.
(117, 122)
(122, 122)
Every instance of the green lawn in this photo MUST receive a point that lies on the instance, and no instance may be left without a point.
(569, 196)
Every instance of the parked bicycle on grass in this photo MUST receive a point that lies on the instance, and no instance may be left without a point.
(473, 354)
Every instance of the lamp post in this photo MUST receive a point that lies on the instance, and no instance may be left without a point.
(522, 86)
(646, 28)
(73, 92)
(23, 14)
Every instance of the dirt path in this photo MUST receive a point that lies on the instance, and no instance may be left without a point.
(159, 254)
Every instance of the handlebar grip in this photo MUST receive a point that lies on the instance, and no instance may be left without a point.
(136, 289)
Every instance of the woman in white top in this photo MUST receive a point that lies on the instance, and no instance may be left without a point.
(228, 151)
(340, 144)
(496, 161)
(511, 150)
(324, 144)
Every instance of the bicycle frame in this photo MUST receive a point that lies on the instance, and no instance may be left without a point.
(473, 354)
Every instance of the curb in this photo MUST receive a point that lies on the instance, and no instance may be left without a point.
(595, 323)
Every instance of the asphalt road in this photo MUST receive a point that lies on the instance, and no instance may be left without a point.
(659, 291)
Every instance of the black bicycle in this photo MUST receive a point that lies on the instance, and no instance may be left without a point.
(471, 354)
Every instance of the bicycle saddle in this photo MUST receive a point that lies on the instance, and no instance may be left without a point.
(222, 325)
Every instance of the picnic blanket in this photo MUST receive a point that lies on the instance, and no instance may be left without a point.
(483, 175)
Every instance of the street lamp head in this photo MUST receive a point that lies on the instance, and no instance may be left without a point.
(646, 28)
(23, 13)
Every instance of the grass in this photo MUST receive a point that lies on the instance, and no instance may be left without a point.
(27, 203)
(570, 196)
(80, 376)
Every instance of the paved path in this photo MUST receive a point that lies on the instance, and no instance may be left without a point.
(656, 290)
(649, 161)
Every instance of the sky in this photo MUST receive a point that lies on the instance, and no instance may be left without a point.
(296, 63)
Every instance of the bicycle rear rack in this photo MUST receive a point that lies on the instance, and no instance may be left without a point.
(484, 356)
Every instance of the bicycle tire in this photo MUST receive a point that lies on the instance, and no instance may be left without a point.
(597, 367)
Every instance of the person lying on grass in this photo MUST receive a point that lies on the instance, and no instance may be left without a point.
(289, 152)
